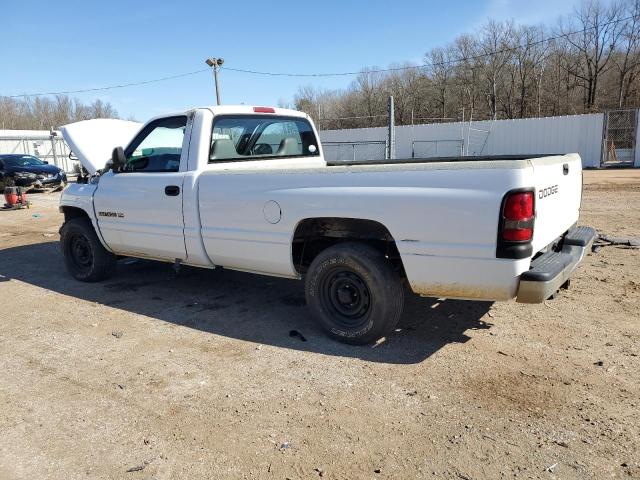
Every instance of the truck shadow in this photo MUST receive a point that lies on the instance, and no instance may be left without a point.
(249, 307)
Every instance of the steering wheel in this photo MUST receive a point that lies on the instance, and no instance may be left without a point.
(262, 149)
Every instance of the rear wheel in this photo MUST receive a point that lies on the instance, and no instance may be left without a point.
(355, 293)
(84, 256)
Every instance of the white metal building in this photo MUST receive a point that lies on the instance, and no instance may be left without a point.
(601, 139)
(46, 145)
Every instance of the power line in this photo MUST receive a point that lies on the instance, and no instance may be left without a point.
(111, 87)
(334, 74)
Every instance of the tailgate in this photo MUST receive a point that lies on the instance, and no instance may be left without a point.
(558, 192)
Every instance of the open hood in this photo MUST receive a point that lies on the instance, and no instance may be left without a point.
(92, 141)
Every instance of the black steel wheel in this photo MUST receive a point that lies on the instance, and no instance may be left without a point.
(80, 252)
(354, 292)
(346, 295)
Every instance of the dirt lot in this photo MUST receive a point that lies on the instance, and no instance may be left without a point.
(196, 375)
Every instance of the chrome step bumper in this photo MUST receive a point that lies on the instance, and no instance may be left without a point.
(551, 270)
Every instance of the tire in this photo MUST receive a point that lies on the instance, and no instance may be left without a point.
(84, 256)
(355, 293)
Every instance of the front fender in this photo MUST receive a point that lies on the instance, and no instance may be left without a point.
(77, 201)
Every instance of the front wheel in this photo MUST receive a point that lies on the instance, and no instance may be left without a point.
(355, 293)
(85, 257)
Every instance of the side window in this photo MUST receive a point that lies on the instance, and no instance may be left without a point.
(255, 137)
(158, 147)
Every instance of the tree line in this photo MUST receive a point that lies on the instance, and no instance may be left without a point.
(42, 113)
(589, 61)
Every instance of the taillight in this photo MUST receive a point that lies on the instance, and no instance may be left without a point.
(264, 110)
(517, 234)
(518, 206)
(518, 217)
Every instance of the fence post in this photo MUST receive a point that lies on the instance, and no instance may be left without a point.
(52, 136)
(392, 130)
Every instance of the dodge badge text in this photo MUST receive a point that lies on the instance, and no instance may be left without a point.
(545, 192)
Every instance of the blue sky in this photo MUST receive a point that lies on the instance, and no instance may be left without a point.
(70, 45)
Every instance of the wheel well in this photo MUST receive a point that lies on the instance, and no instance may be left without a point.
(73, 212)
(313, 235)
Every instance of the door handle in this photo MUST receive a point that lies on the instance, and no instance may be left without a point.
(565, 169)
(172, 190)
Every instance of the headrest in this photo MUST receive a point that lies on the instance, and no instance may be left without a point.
(223, 149)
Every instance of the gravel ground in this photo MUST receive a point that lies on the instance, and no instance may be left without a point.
(153, 375)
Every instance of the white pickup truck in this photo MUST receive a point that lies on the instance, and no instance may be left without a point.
(247, 188)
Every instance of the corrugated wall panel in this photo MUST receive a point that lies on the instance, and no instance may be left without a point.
(347, 135)
(568, 134)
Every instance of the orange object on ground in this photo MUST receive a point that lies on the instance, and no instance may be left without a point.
(15, 197)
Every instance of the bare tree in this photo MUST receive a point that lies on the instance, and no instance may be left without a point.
(439, 61)
(627, 59)
(403, 86)
(467, 72)
(369, 87)
(42, 113)
(529, 56)
(591, 36)
(495, 45)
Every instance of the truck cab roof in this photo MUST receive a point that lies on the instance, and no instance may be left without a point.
(237, 110)
(255, 109)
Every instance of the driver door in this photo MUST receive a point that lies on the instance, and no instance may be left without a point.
(139, 209)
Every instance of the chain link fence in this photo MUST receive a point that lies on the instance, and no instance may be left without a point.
(364, 150)
(619, 143)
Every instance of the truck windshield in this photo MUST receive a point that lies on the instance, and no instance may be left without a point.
(245, 137)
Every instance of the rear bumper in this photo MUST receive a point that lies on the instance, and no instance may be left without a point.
(551, 270)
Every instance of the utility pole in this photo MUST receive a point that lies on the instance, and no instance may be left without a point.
(215, 64)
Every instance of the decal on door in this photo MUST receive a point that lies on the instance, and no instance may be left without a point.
(111, 214)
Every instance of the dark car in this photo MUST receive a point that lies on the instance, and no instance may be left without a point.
(28, 171)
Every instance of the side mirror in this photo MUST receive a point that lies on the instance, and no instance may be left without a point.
(117, 159)
(45, 162)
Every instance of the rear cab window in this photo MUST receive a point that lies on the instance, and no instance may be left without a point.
(261, 137)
